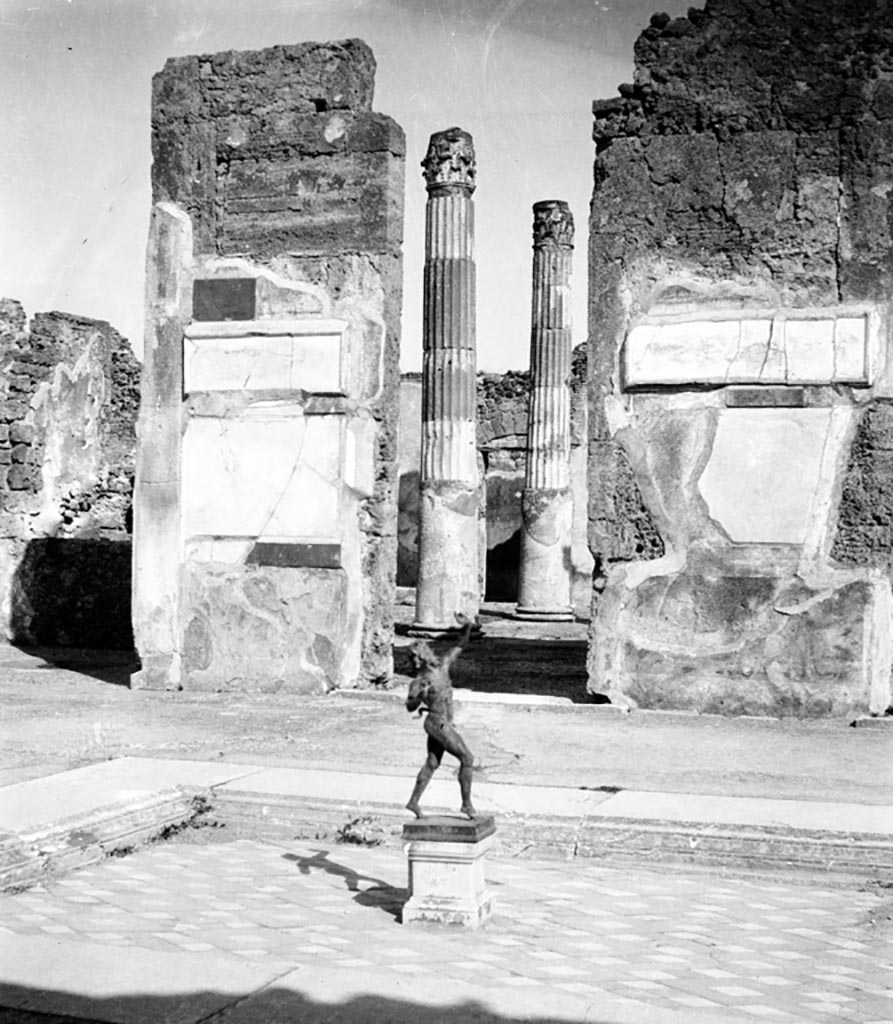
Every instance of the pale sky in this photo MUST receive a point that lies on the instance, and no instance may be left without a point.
(520, 75)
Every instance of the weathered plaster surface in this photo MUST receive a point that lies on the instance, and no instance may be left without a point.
(275, 630)
(263, 476)
(763, 473)
(739, 362)
(758, 350)
(223, 357)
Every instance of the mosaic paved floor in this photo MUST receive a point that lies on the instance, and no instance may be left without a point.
(776, 952)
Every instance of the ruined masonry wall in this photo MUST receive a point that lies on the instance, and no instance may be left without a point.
(742, 185)
(279, 196)
(67, 413)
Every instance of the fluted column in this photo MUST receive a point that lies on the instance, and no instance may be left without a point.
(544, 588)
(449, 486)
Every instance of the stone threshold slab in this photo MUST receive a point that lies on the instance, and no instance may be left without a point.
(558, 802)
(546, 823)
(32, 854)
(41, 802)
(774, 849)
(63, 821)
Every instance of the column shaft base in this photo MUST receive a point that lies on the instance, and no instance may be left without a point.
(426, 631)
(544, 614)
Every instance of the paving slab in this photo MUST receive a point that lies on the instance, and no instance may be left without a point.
(299, 931)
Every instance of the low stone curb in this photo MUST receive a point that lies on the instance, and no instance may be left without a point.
(747, 847)
(29, 856)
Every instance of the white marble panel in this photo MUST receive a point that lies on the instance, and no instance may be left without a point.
(277, 478)
(257, 355)
(764, 472)
(678, 353)
(814, 349)
(809, 346)
(850, 349)
(760, 352)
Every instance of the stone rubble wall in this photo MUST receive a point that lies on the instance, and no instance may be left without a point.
(743, 181)
(70, 391)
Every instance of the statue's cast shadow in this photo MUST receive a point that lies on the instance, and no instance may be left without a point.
(377, 893)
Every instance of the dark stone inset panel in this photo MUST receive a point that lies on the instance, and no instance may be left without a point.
(224, 298)
(295, 556)
(765, 398)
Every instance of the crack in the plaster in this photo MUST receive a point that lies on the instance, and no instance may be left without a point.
(251, 370)
(294, 469)
(769, 346)
(735, 357)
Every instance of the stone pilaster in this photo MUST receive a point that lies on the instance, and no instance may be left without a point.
(544, 588)
(448, 580)
(157, 541)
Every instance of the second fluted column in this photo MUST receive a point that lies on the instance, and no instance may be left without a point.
(544, 586)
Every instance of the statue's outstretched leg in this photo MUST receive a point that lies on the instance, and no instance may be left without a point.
(432, 763)
(465, 789)
(455, 745)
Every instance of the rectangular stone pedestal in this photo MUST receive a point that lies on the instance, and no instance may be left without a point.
(446, 871)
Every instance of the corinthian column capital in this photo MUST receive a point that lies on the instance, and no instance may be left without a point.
(553, 225)
(449, 166)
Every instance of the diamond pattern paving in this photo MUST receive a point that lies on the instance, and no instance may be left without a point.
(800, 954)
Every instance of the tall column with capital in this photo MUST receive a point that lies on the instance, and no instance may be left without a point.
(544, 587)
(448, 582)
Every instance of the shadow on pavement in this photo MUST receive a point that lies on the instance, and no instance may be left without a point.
(379, 894)
(114, 667)
(274, 1004)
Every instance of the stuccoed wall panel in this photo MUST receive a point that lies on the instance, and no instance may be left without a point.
(739, 255)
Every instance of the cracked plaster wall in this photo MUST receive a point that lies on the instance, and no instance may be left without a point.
(266, 506)
(739, 334)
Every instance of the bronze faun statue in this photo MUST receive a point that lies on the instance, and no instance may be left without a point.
(432, 691)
